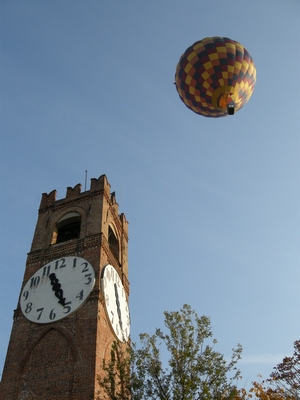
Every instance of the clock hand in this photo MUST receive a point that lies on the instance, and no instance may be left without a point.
(118, 306)
(56, 287)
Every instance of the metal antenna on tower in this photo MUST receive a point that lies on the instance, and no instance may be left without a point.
(85, 180)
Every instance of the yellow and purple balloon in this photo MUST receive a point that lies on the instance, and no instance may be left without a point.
(215, 77)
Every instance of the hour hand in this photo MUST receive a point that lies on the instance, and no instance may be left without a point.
(56, 287)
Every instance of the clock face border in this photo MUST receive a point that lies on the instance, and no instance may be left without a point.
(116, 304)
(57, 289)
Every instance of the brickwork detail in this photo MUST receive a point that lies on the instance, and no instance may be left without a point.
(72, 247)
(48, 370)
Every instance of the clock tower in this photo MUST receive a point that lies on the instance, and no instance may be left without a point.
(73, 300)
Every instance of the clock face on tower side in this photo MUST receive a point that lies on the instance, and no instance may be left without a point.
(116, 303)
(57, 289)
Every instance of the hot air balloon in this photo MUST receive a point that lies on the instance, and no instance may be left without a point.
(215, 77)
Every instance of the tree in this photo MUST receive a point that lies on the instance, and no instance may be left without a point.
(116, 382)
(286, 375)
(194, 370)
(260, 392)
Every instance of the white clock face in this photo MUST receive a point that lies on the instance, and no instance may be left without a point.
(57, 289)
(116, 303)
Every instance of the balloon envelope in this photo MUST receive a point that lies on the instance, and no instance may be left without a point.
(213, 74)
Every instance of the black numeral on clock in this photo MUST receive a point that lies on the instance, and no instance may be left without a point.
(67, 307)
(34, 281)
(80, 295)
(52, 314)
(25, 295)
(86, 267)
(46, 270)
(84, 264)
(89, 279)
(28, 307)
(60, 263)
(40, 311)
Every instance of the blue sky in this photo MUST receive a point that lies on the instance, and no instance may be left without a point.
(212, 204)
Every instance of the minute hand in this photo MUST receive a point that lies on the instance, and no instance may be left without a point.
(118, 306)
(56, 287)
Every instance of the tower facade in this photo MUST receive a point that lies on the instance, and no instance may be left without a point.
(67, 316)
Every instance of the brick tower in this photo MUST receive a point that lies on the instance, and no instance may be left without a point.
(63, 327)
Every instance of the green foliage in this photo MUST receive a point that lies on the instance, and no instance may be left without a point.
(194, 371)
(116, 381)
(260, 392)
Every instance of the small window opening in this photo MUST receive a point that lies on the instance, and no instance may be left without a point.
(67, 228)
(113, 243)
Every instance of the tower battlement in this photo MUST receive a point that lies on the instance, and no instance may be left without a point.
(96, 207)
(100, 184)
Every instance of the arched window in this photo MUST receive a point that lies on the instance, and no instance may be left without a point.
(113, 243)
(67, 228)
